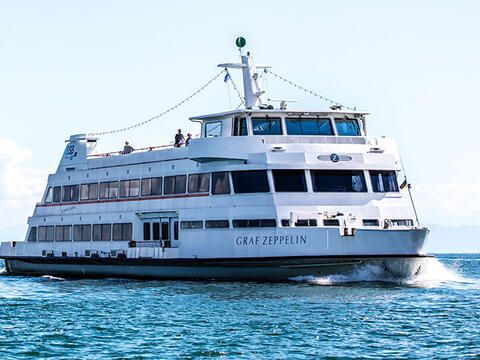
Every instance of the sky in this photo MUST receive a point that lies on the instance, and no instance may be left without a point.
(70, 67)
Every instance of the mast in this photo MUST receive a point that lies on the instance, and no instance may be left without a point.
(251, 87)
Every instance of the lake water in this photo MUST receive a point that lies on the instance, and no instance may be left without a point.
(363, 315)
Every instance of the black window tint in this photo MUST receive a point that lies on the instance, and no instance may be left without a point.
(103, 191)
(384, 181)
(156, 231)
(57, 194)
(175, 184)
(285, 222)
(102, 232)
(197, 224)
(70, 193)
(146, 231)
(266, 126)
(289, 180)
(32, 235)
(309, 126)
(338, 181)
(370, 222)
(240, 127)
(255, 181)
(220, 183)
(331, 222)
(254, 223)
(156, 186)
(198, 183)
(216, 224)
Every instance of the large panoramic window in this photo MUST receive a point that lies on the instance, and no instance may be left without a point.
(213, 129)
(122, 231)
(89, 191)
(152, 186)
(70, 193)
(266, 126)
(347, 127)
(63, 233)
(82, 232)
(109, 190)
(309, 126)
(289, 180)
(338, 181)
(175, 184)
(46, 233)
(220, 183)
(254, 181)
(102, 232)
(384, 181)
(129, 188)
(198, 183)
(57, 194)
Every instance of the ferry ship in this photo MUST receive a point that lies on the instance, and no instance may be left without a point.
(264, 193)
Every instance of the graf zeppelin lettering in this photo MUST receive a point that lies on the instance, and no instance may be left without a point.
(270, 240)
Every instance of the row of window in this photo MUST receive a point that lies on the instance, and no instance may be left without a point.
(96, 232)
(254, 181)
(294, 126)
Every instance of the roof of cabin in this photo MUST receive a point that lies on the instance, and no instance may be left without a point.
(276, 111)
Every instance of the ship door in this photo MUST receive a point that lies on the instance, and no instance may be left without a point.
(169, 231)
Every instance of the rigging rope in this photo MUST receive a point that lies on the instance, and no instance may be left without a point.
(239, 94)
(308, 91)
(161, 114)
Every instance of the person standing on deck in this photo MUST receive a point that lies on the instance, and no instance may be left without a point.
(127, 149)
(187, 141)
(179, 139)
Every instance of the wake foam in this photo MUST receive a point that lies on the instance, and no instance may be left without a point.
(430, 273)
(50, 277)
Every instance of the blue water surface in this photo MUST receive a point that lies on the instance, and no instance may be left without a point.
(366, 315)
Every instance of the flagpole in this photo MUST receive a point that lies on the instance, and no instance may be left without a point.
(409, 190)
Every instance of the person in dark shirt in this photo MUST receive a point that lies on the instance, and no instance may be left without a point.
(179, 139)
(127, 149)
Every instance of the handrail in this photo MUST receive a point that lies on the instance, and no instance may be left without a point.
(118, 153)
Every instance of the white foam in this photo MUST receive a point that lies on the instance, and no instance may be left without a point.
(50, 277)
(431, 273)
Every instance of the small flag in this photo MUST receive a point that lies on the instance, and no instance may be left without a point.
(227, 77)
(404, 184)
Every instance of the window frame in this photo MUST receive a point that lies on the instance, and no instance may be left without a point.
(291, 119)
(267, 118)
(276, 172)
(315, 187)
(211, 123)
(236, 181)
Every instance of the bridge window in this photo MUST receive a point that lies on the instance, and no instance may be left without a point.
(217, 224)
(254, 223)
(175, 184)
(122, 231)
(82, 232)
(289, 180)
(129, 188)
(254, 181)
(384, 181)
(32, 235)
(220, 183)
(197, 224)
(309, 126)
(63, 233)
(347, 127)
(213, 129)
(152, 186)
(109, 190)
(240, 127)
(266, 126)
(46, 233)
(102, 232)
(57, 194)
(338, 181)
(89, 191)
(70, 193)
(198, 183)
(48, 196)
